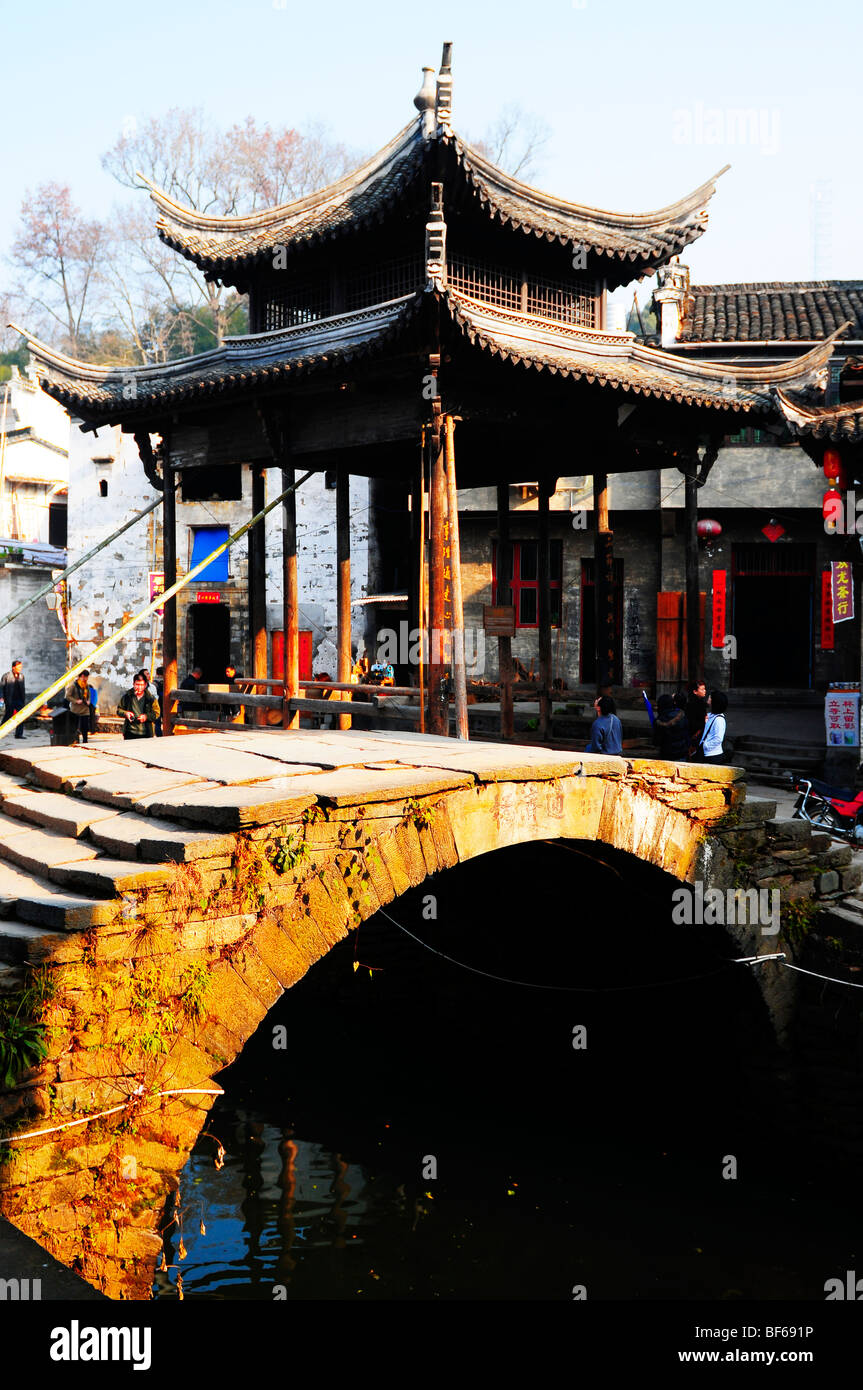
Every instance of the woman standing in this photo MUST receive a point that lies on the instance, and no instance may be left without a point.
(606, 733)
(714, 728)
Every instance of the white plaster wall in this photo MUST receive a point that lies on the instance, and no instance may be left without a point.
(37, 636)
(114, 583)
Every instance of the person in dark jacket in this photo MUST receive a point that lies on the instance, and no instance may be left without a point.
(139, 709)
(190, 683)
(696, 713)
(14, 694)
(671, 731)
(606, 733)
(78, 700)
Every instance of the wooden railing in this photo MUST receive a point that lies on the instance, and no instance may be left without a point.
(379, 704)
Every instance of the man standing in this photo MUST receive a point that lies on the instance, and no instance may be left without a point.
(139, 709)
(78, 700)
(696, 713)
(14, 696)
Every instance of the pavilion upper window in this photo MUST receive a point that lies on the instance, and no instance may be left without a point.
(322, 293)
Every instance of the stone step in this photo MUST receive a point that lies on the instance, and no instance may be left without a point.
(130, 836)
(66, 815)
(37, 850)
(32, 899)
(15, 941)
(109, 878)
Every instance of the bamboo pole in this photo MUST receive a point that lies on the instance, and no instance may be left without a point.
(343, 570)
(31, 708)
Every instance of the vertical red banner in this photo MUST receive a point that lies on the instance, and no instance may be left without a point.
(827, 638)
(719, 591)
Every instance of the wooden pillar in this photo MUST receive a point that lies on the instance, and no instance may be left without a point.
(459, 673)
(603, 555)
(544, 612)
(169, 565)
(343, 567)
(504, 599)
(438, 721)
(290, 599)
(258, 586)
(693, 626)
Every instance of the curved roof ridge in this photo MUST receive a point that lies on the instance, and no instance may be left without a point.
(187, 217)
(689, 203)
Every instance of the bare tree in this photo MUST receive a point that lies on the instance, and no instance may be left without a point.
(56, 254)
(164, 301)
(515, 141)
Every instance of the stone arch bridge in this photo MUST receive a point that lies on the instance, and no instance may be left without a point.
(158, 897)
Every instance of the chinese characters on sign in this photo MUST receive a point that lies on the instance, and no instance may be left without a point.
(843, 590)
(827, 640)
(718, 638)
(841, 716)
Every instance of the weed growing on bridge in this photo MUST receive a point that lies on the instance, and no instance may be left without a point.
(422, 813)
(22, 1026)
(798, 919)
(287, 853)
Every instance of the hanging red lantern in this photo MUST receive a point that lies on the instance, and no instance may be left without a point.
(834, 470)
(831, 509)
(708, 529)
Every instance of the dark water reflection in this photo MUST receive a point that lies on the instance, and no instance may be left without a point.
(556, 1166)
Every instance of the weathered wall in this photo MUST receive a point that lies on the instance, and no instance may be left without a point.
(36, 637)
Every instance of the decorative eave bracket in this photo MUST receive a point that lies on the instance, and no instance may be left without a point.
(436, 241)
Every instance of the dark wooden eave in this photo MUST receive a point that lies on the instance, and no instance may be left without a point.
(831, 424)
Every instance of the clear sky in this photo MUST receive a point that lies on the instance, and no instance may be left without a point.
(644, 100)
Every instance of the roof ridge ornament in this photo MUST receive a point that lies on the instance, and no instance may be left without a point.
(424, 101)
(443, 104)
(436, 240)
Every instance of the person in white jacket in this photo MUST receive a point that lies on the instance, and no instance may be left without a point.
(713, 738)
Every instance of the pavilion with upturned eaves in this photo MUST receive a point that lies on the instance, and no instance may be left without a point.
(429, 306)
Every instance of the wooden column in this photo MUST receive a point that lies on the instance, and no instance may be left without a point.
(693, 626)
(258, 586)
(438, 711)
(169, 565)
(544, 612)
(603, 554)
(343, 567)
(459, 674)
(504, 599)
(290, 599)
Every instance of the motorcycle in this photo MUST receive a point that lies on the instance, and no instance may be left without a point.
(838, 810)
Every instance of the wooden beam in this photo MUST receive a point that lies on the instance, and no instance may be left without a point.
(258, 578)
(290, 598)
(169, 565)
(438, 710)
(458, 660)
(504, 598)
(343, 565)
(544, 612)
(603, 555)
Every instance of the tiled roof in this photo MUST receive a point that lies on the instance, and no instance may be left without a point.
(622, 363)
(836, 424)
(227, 246)
(773, 311)
(268, 360)
(257, 360)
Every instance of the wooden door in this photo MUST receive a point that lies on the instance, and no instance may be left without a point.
(672, 651)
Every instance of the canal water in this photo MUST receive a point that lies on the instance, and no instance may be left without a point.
(402, 1127)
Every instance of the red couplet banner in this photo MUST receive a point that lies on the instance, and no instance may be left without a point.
(827, 637)
(719, 590)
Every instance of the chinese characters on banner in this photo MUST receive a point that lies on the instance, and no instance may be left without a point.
(718, 638)
(157, 586)
(843, 590)
(842, 717)
(827, 639)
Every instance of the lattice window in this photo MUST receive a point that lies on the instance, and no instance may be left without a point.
(563, 301)
(489, 284)
(303, 301)
(376, 284)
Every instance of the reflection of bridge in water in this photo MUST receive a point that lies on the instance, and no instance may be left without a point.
(159, 897)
